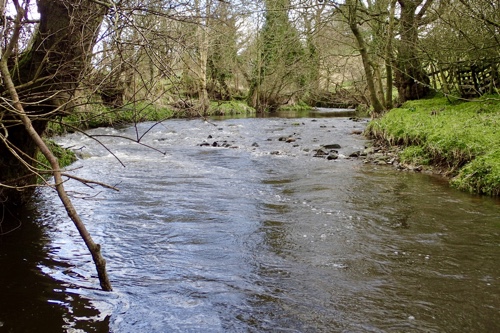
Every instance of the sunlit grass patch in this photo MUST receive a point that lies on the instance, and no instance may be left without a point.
(464, 137)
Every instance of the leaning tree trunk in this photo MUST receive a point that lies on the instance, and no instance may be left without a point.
(411, 79)
(45, 77)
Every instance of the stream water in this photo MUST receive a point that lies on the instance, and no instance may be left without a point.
(255, 235)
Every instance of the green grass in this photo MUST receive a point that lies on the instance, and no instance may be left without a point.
(300, 106)
(463, 137)
(415, 155)
(64, 156)
(230, 108)
(97, 115)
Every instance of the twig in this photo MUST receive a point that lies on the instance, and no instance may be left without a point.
(87, 182)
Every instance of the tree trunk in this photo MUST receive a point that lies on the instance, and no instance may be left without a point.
(378, 108)
(312, 25)
(411, 79)
(45, 77)
(202, 56)
(389, 59)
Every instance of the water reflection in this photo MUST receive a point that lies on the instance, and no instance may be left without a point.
(437, 242)
(31, 300)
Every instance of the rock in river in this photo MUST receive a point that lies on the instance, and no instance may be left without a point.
(332, 146)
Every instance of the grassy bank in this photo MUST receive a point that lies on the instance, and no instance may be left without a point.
(461, 138)
(97, 115)
(64, 156)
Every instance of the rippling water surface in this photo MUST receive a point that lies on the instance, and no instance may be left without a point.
(257, 237)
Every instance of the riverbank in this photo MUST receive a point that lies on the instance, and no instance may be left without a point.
(97, 115)
(458, 139)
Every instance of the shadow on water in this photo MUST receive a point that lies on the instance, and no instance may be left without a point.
(30, 300)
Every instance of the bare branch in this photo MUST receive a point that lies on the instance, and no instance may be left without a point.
(87, 181)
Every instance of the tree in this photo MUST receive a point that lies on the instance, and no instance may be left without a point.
(278, 73)
(368, 63)
(373, 24)
(38, 83)
(201, 58)
(222, 52)
(411, 79)
(389, 57)
(467, 32)
(45, 76)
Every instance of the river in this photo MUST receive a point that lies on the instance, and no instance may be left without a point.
(251, 234)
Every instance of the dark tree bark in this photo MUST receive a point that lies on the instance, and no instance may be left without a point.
(411, 79)
(45, 77)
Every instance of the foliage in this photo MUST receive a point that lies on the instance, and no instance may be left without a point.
(277, 76)
(464, 36)
(222, 53)
(463, 137)
(64, 156)
(466, 31)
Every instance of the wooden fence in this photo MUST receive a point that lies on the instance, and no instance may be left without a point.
(470, 80)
